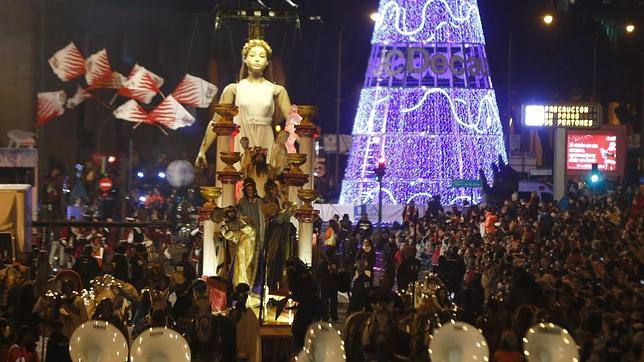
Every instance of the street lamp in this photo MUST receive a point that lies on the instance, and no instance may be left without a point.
(630, 28)
(338, 100)
(548, 19)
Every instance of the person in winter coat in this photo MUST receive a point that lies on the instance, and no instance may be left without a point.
(367, 254)
(451, 268)
(87, 266)
(360, 289)
(408, 269)
(327, 271)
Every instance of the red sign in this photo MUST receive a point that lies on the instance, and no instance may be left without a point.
(586, 149)
(105, 184)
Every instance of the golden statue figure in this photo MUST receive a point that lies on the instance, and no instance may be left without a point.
(279, 155)
(242, 238)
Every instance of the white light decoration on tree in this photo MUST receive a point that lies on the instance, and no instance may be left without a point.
(427, 105)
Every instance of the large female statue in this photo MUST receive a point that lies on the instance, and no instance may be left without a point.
(256, 98)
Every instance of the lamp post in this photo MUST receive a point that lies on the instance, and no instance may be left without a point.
(338, 99)
(380, 171)
(547, 19)
(594, 89)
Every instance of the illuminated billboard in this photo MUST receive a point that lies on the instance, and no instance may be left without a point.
(581, 116)
(605, 147)
(584, 150)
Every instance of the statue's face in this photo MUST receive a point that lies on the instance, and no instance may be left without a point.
(250, 189)
(256, 60)
(259, 158)
(230, 215)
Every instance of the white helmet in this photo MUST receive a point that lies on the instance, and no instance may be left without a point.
(547, 342)
(323, 344)
(457, 342)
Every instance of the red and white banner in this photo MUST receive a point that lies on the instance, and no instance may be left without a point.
(79, 97)
(195, 92)
(50, 106)
(98, 69)
(68, 63)
(171, 114)
(115, 81)
(141, 85)
(131, 111)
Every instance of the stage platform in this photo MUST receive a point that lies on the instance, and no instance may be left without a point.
(285, 319)
(277, 340)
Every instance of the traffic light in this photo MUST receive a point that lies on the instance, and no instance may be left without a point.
(594, 173)
(380, 168)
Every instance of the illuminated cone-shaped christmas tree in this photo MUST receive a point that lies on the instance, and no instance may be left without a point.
(427, 105)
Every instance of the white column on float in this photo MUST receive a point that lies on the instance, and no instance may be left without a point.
(227, 195)
(209, 253)
(305, 242)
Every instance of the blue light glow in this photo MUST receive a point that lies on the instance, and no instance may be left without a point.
(432, 124)
(161, 174)
(140, 174)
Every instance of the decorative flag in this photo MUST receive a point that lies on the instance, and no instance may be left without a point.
(68, 63)
(98, 69)
(195, 92)
(115, 81)
(141, 85)
(79, 97)
(171, 114)
(131, 111)
(50, 106)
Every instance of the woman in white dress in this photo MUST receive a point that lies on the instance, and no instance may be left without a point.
(256, 98)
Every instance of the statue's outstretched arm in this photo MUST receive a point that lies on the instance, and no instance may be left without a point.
(283, 101)
(227, 96)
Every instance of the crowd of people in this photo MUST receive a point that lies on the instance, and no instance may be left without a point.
(502, 268)
(76, 191)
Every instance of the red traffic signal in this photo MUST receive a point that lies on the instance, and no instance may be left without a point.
(380, 168)
(381, 161)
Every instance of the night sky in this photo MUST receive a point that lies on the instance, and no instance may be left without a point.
(172, 37)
